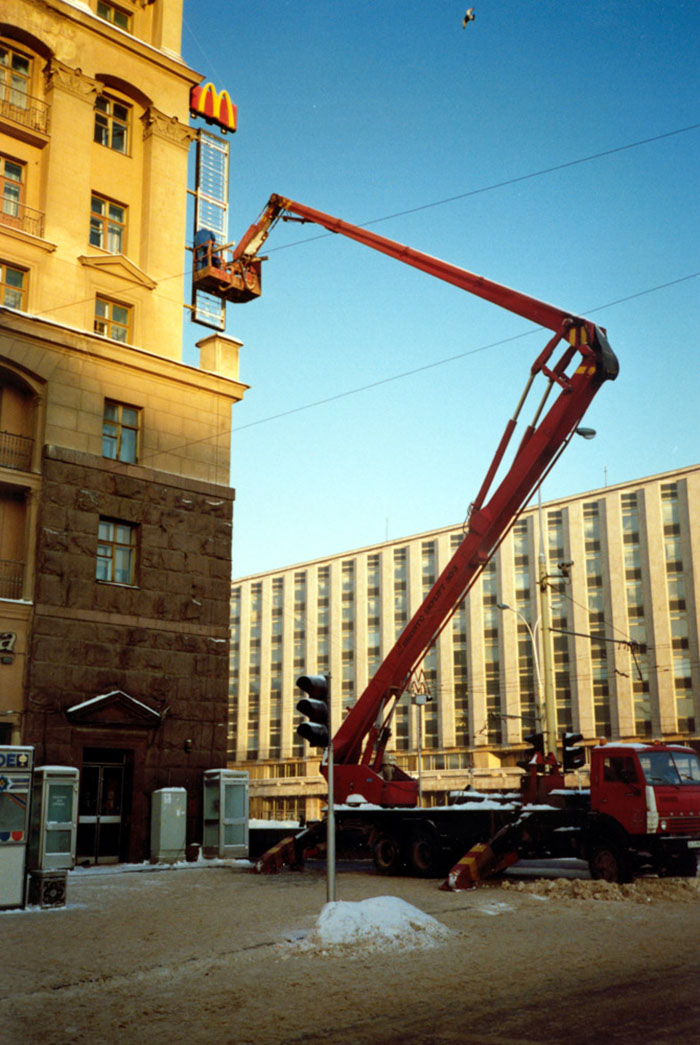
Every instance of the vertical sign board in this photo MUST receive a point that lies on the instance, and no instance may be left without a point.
(16, 764)
(211, 213)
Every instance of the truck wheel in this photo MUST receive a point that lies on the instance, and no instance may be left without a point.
(608, 864)
(386, 854)
(424, 856)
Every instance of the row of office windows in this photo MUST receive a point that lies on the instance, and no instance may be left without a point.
(596, 671)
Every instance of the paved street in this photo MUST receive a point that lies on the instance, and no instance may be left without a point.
(201, 955)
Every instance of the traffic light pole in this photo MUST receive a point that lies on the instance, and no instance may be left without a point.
(330, 816)
(330, 830)
(318, 732)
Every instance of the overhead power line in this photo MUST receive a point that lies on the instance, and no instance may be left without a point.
(416, 370)
(438, 203)
(501, 184)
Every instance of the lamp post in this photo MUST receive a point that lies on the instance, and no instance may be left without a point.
(546, 700)
(550, 701)
(532, 632)
(420, 700)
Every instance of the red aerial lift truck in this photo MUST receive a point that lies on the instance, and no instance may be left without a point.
(377, 800)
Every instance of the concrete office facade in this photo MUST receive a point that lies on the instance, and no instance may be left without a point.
(623, 652)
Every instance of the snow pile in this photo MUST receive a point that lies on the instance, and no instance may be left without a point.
(643, 890)
(380, 923)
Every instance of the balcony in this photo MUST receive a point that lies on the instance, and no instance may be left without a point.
(31, 113)
(16, 451)
(18, 216)
(11, 577)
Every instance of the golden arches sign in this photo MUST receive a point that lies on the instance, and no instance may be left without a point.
(213, 106)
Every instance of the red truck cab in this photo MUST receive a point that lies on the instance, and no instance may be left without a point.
(645, 809)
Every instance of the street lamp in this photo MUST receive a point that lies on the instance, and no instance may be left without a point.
(532, 632)
(420, 700)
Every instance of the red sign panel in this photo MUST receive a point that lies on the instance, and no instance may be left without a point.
(213, 106)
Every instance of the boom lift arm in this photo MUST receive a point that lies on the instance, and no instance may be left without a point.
(585, 362)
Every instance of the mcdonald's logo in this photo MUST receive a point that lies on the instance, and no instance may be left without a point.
(213, 106)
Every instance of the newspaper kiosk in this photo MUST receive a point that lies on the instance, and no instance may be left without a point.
(16, 764)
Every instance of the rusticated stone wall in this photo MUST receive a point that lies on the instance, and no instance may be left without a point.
(164, 641)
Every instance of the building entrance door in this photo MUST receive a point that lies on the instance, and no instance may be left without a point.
(101, 806)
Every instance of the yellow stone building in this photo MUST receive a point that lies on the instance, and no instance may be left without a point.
(115, 506)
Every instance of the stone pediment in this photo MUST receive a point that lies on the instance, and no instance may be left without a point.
(114, 709)
(118, 265)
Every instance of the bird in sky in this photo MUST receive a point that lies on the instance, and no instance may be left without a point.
(469, 17)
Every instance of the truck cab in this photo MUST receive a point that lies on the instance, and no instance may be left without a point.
(645, 810)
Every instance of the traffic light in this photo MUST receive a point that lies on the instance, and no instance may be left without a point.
(315, 705)
(573, 757)
(536, 742)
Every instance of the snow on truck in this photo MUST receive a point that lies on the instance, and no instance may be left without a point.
(617, 824)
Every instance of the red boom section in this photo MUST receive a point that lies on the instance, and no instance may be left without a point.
(586, 347)
(279, 206)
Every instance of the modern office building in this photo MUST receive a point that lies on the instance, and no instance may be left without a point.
(622, 569)
(115, 505)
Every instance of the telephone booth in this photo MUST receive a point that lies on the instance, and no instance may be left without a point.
(52, 833)
(225, 813)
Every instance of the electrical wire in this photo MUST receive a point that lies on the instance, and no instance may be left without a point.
(448, 199)
(502, 184)
(416, 370)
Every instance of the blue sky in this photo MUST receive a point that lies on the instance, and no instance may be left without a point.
(380, 110)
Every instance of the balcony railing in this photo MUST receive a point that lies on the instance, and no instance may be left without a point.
(16, 451)
(11, 577)
(19, 216)
(23, 108)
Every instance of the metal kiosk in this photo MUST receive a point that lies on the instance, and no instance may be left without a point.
(225, 813)
(168, 825)
(16, 765)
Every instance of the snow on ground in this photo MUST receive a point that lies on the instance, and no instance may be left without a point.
(379, 923)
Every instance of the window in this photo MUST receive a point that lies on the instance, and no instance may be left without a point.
(12, 286)
(107, 225)
(112, 320)
(115, 15)
(15, 76)
(120, 432)
(116, 552)
(111, 123)
(11, 189)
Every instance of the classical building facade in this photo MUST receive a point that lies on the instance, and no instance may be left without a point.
(115, 505)
(621, 567)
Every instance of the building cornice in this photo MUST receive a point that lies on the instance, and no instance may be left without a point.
(201, 487)
(158, 125)
(62, 338)
(74, 81)
(82, 14)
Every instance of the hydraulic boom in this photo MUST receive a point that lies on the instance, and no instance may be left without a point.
(574, 363)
